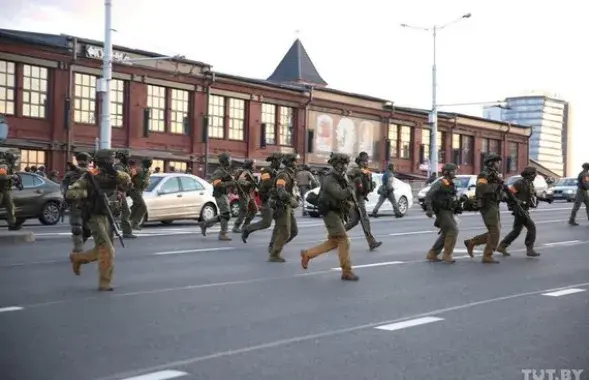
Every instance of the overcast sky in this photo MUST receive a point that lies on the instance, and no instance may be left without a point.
(505, 49)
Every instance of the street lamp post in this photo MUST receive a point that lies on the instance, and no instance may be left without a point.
(104, 84)
(433, 117)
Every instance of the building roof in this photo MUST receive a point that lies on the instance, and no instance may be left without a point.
(297, 67)
(63, 41)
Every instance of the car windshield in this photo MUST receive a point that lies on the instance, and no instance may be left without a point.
(153, 182)
(460, 182)
(511, 180)
(566, 182)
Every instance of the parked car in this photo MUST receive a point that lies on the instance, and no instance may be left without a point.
(540, 185)
(564, 189)
(178, 196)
(40, 199)
(465, 184)
(403, 195)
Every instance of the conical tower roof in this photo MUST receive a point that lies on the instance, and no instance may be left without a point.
(297, 68)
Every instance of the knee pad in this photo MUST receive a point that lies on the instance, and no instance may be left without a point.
(77, 230)
(225, 216)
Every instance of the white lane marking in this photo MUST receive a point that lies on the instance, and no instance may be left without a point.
(195, 250)
(161, 375)
(569, 242)
(563, 292)
(10, 308)
(463, 250)
(343, 331)
(413, 233)
(373, 265)
(409, 323)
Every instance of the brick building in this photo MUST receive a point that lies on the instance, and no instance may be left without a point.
(159, 109)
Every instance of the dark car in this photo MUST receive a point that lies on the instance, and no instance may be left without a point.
(40, 199)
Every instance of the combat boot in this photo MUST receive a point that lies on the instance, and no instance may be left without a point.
(276, 258)
(573, 223)
(432, 256)
(374, 244)
(224, 237)
(244, 235)
(469, 247)
(447, 258)
(349, 276)
(503, 250)
(489, 259)
(530, 252)
(236, 230)
(77, 261)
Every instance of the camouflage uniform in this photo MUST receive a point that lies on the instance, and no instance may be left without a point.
(334, 206)
(488, 193)
(246, 184)
(223, 182)
(7, 178)
(80, 231)
(140, 179)
(361, 177)
(114, 184)
(441, 200)
(525, 194)
(122, 165)
(267, 178)
(582, 196)
(284, 200)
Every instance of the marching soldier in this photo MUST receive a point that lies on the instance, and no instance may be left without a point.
(80, 231)
(582, 195)
(223, 181)
(114, 184)
(122, 156)
(334, 206)
(140, 180)
(284, 200)
(441, 201)
(246, 184)
(267, 177)
(488, 193)
(361, 177)
(524, 194)
(8, 176)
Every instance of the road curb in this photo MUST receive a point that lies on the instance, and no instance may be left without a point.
(15, 237)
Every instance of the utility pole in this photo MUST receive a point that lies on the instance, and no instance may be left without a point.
(105, 127)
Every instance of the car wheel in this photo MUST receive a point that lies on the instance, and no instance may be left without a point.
(208, 211)
(313, 214)
(569, 200)
(50, 214)
(166, 222)
(403, 205)
(234, 209)
(544, 195)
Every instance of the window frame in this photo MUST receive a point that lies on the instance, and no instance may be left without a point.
(29, 91)
(237, 119)
(79, 99)
(216, 119)
(8, 102)
(154, 103)
(115, 104)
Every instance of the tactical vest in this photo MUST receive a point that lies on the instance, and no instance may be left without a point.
(6, 173)
(107, 183)
(266, 184)
(444, 197)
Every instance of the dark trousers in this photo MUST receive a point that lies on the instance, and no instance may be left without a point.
(518, 224)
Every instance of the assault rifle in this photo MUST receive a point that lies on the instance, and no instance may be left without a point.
(515, 204)
(104, 200)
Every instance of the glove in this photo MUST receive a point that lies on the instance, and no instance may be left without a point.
(429, 213)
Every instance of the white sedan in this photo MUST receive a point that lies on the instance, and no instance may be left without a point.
(178, 196)
(403, 195)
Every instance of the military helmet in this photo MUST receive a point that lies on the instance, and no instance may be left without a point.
(290, 157)
(338, 158)
(83, 156)
(248, 162)
(528, 171)
(492, 157)
(449, 167)
(123, 153)
(276, 156)
(586, 166)
(361, 157)
(147, 161)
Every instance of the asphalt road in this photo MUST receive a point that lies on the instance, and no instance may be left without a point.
(190, 307)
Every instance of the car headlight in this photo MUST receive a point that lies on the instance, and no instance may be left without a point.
(549, 191)
(569, 191)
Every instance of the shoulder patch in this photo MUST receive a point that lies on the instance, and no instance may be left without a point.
(482, 181)
(586, 179)
(280, 182)
(445, 181)
(265, 176)
(512, 189)
(365, 171)
(94, 171)
(216, 182)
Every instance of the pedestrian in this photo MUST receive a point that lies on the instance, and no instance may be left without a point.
(334, 206)
(223, 183)
(387, 192)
